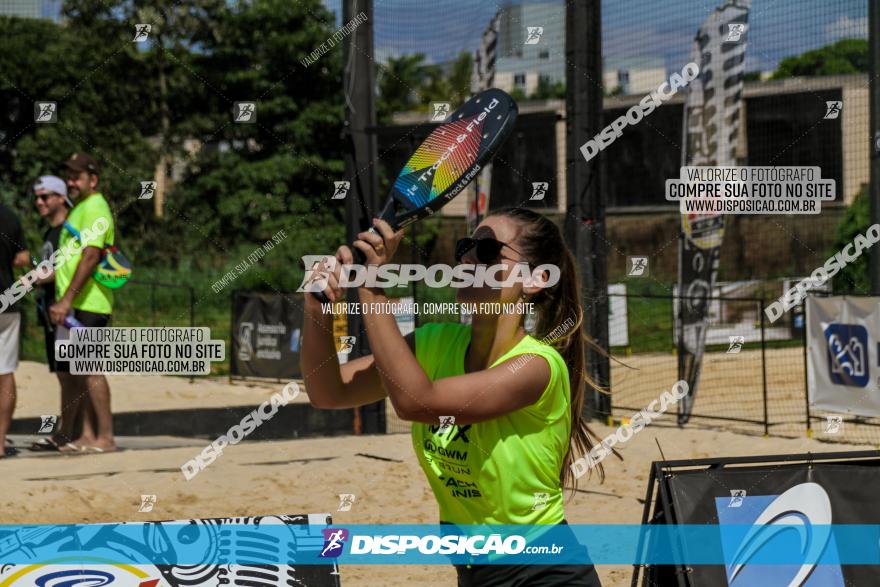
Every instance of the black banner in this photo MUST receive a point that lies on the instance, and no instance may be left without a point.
(698, 268)
(266, 335)
(815, 491)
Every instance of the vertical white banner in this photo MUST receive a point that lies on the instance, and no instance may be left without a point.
(711, 127)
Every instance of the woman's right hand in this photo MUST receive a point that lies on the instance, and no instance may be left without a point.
(330, 268)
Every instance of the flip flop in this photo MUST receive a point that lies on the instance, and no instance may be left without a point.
(96, 450)
(45, 445)
(9, 451)
(72, 449)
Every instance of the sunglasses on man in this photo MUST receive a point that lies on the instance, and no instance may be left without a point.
(44, 197)
(488, 250)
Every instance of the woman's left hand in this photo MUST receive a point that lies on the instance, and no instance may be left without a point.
(379, 248)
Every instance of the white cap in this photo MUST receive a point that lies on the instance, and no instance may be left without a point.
(52, 183)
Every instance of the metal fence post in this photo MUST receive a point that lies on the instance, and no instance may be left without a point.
(192, 315)
(231, 331)
(764, 368)
(874, 122)
(152, 304)
(584, 225)
(806, 391)
(192, 306)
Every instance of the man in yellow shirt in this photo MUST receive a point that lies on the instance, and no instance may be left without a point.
(81, 299)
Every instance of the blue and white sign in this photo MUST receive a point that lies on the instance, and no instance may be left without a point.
(801, 514)
(843, 333)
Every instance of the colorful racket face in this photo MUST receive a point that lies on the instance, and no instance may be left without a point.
(113, 270)
(452, 155)
(448, 160)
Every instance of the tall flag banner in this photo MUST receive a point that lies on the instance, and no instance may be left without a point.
(483, 78)
(711, 127)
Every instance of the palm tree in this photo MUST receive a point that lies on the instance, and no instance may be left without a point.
(400, 83)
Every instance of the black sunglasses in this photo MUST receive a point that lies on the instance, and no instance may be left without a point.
(488, 249)
(44, 197)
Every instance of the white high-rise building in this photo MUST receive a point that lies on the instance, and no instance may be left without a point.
(531, 45)
(633, 76)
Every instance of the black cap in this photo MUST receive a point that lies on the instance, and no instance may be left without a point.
(82, 162)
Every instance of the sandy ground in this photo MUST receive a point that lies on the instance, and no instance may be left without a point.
(38, 392)
(731, 386)
(306, 476)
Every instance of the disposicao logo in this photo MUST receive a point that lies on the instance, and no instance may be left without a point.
(334, 540)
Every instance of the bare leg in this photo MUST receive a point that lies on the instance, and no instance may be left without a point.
(7, 406)
(80, 407)
(71, 400)
(99, 394)
(87, 418)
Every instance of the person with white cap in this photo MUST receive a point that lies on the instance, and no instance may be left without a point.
(52, 203)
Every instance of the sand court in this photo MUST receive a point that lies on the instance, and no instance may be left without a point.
(307, 475)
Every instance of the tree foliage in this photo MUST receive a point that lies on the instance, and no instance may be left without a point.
(548, 90)
(95, 113)
(126, 103)
(399, 82)
(279, 171)
(844, 56)
(854, 277)
(407, 83)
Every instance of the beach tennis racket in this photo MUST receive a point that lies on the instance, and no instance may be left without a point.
(114, 269)
(448, 160)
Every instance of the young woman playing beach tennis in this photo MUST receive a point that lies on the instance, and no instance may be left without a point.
(516, 398)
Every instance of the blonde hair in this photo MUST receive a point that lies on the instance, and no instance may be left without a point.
(540, 241)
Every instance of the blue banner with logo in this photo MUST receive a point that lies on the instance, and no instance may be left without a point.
(843, 361)
(786, 541)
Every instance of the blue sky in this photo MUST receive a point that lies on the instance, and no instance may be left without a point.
(632, 29)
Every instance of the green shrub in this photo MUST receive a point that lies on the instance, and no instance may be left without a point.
(854, 277)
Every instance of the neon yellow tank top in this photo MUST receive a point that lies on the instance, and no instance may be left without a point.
(501, 471)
